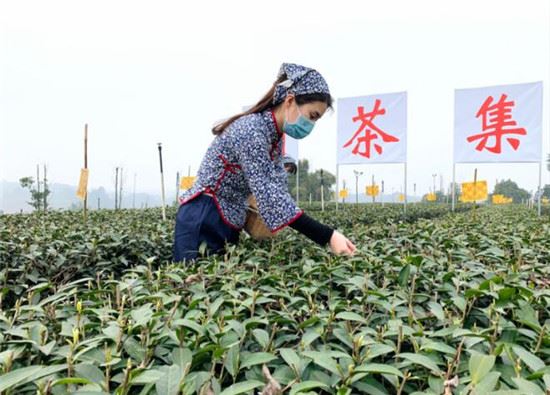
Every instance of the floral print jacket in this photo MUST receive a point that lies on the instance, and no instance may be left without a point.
(246, 158)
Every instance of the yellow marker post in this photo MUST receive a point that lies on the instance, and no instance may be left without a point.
(474, 191)
(373, 190)
(82, 190)
(497, 199)
(86, 167)
(343, 193)
(187, 182)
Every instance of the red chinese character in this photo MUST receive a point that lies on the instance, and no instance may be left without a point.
(371, 131)
(497, 122)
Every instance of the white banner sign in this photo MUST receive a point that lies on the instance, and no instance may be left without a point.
(372, 129)
(498, 124)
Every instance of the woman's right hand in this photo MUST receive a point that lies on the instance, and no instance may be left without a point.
(340, 245)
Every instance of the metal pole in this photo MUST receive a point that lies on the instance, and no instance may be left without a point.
(162, 183)
(298, 182)
(297, 169)
(356, 188)
(344, 187)
(38, 187)
(382, 193)
(475, 191)
(116, 188)
(322, 199)
(337, 185)
(322, 192)
(453, 192)
(357, 174)
(134, 193)
(177, 185)
(405, 188)
(539, 208)
(373, 197)
(45, 188)
(120, 191)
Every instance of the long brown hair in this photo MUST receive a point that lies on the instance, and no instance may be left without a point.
(266, 103)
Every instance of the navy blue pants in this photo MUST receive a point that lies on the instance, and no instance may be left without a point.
(199, 221)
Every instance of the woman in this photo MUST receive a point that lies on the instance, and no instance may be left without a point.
(245, 158)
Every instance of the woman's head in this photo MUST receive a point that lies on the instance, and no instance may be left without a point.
(297, 90)
(299, 113)
(311, 105)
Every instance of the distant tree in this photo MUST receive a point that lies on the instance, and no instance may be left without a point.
(37, 197)
(310, 182)
(445, 196)
(510, 189)
(546, 191)
(46, 192)
(440, 197)
(75, 206)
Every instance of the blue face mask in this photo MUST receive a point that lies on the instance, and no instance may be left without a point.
(300, 128)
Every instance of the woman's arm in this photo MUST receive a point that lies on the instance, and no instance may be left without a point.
(313, 229)
(323, 234)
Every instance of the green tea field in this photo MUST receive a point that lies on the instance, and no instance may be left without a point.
(438, 303)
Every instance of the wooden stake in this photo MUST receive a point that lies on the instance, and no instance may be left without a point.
(475, 192)
(120, 191)
(86, 166)
(177, 186)
(116, 188)
(45, 188)
(373, 194)
(322, 191)
(134, 193)
(38, 186)
(382, 192)
(162, 183)
(344, 199)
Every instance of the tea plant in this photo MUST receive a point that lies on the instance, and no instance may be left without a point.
(432, 304)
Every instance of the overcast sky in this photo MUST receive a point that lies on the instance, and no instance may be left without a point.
(142, 72)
